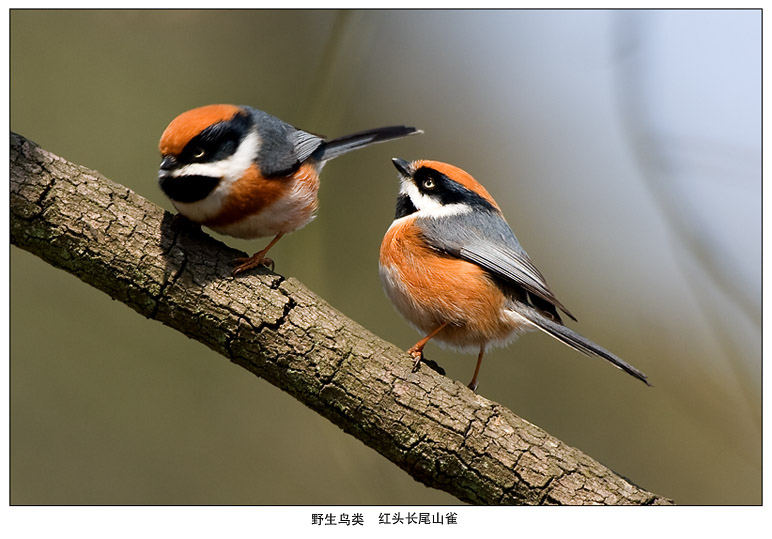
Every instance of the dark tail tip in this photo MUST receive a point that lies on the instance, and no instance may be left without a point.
(339, 146)
(640, 376)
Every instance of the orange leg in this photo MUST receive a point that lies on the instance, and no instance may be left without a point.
(257, 259)
(473, 383)
(417, 350)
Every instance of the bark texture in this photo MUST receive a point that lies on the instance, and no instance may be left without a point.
(435, 429)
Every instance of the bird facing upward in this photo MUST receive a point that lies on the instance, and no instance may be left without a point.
(452, 266)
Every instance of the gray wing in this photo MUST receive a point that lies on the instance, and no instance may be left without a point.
(283, 148)
(305, 144)
(485, 239)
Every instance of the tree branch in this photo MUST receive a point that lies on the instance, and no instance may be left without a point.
(437, 430)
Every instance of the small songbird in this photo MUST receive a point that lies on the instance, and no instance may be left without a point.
(247, 174)
(453, 268)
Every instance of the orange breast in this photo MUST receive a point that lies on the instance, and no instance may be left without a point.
(429, 288)
(292, 198)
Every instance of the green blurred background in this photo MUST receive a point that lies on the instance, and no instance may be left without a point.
(623, 154)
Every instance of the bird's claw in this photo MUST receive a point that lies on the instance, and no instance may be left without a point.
(245, 264)
(417, 356)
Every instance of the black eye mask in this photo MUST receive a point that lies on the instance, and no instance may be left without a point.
(446, 191)
(218, 141)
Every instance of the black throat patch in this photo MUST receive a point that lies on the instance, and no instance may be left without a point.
(188, 188)
(404, 206)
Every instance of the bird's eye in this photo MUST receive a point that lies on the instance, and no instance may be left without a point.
(429, 184)
(199, 153)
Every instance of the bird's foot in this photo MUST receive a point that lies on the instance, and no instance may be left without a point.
(244, 264)
(418, 355)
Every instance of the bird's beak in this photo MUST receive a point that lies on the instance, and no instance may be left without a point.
(404, 168)
(168, 163)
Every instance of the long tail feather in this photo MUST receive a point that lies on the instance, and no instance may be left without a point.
(337, 147)
(576, 341)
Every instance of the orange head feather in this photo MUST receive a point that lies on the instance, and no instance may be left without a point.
(189, 124)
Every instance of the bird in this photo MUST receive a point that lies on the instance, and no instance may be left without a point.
(245, 173)
(452, 267)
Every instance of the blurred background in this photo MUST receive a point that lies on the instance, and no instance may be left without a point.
(623, 146)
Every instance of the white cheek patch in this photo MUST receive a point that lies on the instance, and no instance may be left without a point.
(228, 170)
(428, 206)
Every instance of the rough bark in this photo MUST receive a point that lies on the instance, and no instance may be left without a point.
(435, 429)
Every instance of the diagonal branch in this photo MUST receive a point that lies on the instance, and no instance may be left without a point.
(435, 429)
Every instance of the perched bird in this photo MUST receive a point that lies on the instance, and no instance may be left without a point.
(247, 174)
(453, 268)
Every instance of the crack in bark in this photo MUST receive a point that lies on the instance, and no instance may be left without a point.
(170, 280)
(434, 428)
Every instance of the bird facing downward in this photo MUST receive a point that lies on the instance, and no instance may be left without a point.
(247, 174)
(453, 268)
